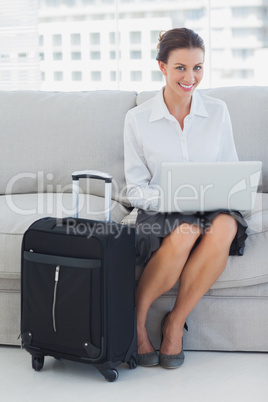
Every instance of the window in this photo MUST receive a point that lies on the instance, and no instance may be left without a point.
(238, 74)
(57, 40)
(75, 39)
(58, 75)
(135, 37)
(153, 54)
(22, 55)
(135, 54)
(113, 55)
(76, 55)
(154, 36)
(95, 55)
(57, 56)
(136, 75)
(124, 35)
(95, 38)
(95, 75)
(157, 76)
(77, 76)
(244, 12)
(113, 75)
(242, 54)
(112, 38)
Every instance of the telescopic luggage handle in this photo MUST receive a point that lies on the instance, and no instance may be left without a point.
(93, 174)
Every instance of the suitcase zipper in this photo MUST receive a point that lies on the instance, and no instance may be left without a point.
(57, 273)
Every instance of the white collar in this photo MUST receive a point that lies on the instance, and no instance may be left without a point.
(160, 110)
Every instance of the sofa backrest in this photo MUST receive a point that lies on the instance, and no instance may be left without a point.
(248, 108)
(45, 136)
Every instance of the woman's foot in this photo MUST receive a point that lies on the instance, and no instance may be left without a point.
(172, 337)
(171, 351)
(147, 355)
(144, 344)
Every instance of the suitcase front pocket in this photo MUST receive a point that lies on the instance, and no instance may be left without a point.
(62, 303)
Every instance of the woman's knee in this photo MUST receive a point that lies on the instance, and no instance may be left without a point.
(183, 238)
(222, 231)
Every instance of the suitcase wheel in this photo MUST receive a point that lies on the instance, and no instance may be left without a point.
(132, 363)
(37, 362)
(111, 375)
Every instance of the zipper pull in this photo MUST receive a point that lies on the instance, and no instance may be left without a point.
(57, 273)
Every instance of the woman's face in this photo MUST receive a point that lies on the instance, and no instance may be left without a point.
(183, 71)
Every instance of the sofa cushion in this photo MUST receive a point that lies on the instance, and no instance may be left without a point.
(250, 134)
(45, 136)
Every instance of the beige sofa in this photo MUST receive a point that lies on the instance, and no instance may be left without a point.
(46, 136)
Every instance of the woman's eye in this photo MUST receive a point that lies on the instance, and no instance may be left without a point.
(197, 68)
(180, 68)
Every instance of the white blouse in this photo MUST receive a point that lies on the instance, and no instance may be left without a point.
(152, 136)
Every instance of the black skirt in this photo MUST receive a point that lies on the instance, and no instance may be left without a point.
(153, 227)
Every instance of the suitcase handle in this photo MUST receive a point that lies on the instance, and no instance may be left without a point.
(93, 174)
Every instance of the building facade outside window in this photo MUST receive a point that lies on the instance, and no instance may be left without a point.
(111, 44)
(117, 40)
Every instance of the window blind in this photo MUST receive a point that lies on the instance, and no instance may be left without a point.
(19, 56)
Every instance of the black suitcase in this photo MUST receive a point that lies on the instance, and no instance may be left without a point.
(78, 289)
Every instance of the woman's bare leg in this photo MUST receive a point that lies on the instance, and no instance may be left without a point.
(202, 269)
(161, 273)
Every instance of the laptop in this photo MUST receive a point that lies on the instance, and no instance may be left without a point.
(208, 186)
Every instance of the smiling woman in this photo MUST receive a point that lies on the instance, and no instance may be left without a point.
(180, 57)
(178, 124)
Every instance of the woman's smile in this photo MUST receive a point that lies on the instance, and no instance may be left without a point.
(186, 87)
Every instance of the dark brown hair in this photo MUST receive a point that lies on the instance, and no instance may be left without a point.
(177, 38)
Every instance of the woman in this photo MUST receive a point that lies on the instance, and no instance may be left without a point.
(178, 124)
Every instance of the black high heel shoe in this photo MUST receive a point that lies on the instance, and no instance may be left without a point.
(171, 361)
(148, 359)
